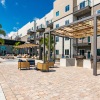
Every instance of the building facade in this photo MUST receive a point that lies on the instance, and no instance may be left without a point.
(63, 13)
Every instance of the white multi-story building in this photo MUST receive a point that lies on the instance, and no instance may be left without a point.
(63, 13)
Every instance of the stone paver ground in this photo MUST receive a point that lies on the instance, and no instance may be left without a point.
(60, 83)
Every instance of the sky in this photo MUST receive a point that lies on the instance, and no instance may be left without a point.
(16, 13)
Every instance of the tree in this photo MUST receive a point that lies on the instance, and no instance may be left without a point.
(16, 44)
(47, 43)
(2, 32)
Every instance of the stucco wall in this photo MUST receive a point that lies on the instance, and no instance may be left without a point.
(60, 5)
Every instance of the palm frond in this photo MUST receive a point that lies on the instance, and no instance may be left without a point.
(2, 41)
(0, 26)
(2, 32)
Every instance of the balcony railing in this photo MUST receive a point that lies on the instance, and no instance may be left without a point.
(30, 31)
(40, 26)
(48, 22)
(82, 5)
(39, 37)
(17, 37)
(30, 38)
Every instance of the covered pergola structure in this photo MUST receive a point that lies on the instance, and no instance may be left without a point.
(89, 26)
(26, 46)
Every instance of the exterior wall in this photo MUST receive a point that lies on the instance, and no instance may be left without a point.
(60, 6)
(61, 22)
(95, 8)
(24, 38)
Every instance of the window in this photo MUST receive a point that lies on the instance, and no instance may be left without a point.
(66, 22)
(66, 38)
(82, 5)
(57, 39)
(66, 51)
(98, 52)
(88, 38)
(57, 13)
(57, 25)
(57, 52)
(98, 12)
(67, 8)
(47, 22)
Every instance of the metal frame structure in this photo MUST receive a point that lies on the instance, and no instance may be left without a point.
(82, 28)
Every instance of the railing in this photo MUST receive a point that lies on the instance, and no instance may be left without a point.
(82, 5)
(30, 38)
(41, 26)
(48, 22)
(30, 30)
(17, 37)
(39, 37)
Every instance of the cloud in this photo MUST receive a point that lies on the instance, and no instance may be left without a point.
(3, 3)
(12, 34)
(35, 18)
(15, 28)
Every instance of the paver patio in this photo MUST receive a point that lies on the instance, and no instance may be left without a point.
(60, 83)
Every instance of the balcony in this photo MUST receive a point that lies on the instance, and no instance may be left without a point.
(30, 31)
(40, 28)
(39, 37)
(83, 8)
(82, 42)
(49, 23)
(30, 38)
(17, 38)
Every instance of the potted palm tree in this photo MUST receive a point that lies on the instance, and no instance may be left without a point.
(47, 44)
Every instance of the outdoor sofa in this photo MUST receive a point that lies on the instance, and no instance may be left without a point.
(31, 61)
(23, 64)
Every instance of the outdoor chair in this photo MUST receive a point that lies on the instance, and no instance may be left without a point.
(43, 66)
(31, 61)
(23, 64)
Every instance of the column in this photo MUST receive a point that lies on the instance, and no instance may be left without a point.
(44, 47)
(95, 47)
(54, 49)
(70, 47)
(77, 46)
(62, 47)
(49, 46)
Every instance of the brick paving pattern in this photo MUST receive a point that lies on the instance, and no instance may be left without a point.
(60, 83)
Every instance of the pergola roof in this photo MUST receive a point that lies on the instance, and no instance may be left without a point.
(78, 29)
(27, 45)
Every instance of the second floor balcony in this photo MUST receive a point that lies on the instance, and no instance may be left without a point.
(17, 37)
(30, 31)
(39, 37)
(49, 23)
(82, 42)
(40, 28)
(83, 8)
(30, 38)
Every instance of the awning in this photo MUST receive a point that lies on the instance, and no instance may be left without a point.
(78, 29)
(27, 45)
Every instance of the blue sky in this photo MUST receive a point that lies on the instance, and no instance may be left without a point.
(16, 13)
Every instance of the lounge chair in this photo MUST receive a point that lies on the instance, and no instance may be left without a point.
(43, 66)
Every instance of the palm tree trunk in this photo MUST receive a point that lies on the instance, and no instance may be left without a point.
(40, 53)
